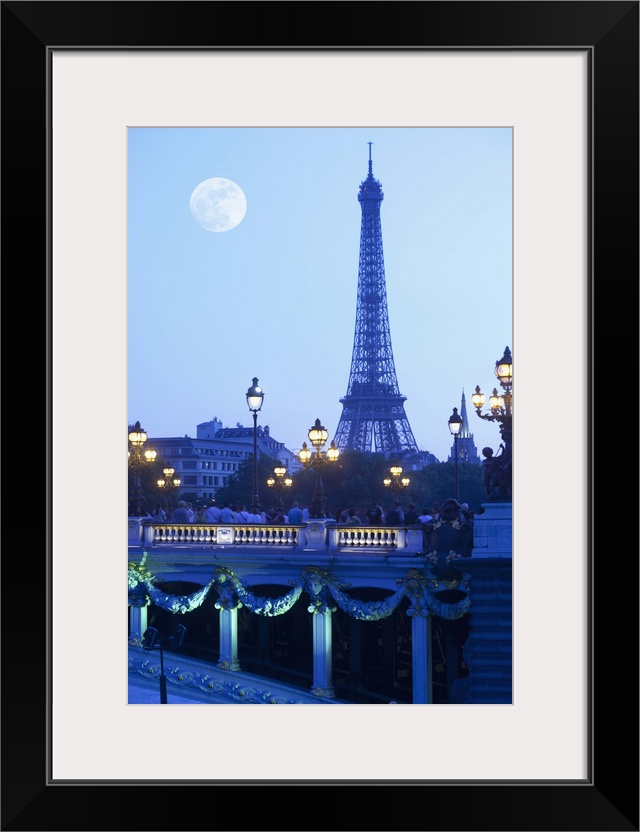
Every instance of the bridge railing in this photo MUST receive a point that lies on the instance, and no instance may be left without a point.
(312, 535)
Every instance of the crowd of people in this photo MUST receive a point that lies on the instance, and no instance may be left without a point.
(187, 512)
(374, 515)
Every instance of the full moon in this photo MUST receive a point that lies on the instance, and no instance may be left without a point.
(218, 204)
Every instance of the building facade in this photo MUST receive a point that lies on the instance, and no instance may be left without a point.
(205, 463)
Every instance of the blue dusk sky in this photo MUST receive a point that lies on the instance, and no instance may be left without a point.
(275, 296)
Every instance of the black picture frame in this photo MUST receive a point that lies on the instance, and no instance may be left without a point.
(608, 799)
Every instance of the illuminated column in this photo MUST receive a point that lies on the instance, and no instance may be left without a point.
(137, 620)
(228, 640)
(421, 657)
(322, 655)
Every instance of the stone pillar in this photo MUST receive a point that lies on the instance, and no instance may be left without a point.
(488, 650)
(319, 533)
(411, 540)
(228, 640)
(137, 620)
(135, 531)
(322, 655)
(493, 531)
(422, 659)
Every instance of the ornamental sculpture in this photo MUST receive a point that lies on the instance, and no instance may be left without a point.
(497, 468)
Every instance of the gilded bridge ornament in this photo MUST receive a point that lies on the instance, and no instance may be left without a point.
(234, 596)
(140, 583)
(423, 591)
(317, 585)
(179, 603)
(322, 587)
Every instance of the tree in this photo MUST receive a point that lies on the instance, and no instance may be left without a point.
(150, 473)
(434, 484)
(239, 487)
(355, 479)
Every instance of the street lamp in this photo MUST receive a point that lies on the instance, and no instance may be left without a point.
(455, 423)
(317, 460)
(169, 483)
(137, 460)
(396, 482)
(280, 482)
(498, 468)
(153, 640)
(255, 395)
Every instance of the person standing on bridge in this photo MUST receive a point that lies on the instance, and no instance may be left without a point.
(395, 517)
(295, 515)
(411, 516)
(425, 517)
(352, 518)
(241, 514)
(159, 514)
(212, 514)
(226, 514)
(255, 516)
(375, 515)
(180, 514)
(199, 515)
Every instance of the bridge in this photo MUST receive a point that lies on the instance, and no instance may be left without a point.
(324, 567)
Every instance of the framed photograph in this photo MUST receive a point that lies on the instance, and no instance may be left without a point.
(564, 77)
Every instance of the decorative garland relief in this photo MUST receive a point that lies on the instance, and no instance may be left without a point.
(325, 591)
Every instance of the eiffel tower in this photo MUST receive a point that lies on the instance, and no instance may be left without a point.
(373, 418)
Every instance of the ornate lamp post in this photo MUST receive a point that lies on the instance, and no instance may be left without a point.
(169, 483)
(280, 482)
(153, 640)
(455, 423)
(317, 460)
(396, 482)
(137, 459)
(255, 395)
(498, 468)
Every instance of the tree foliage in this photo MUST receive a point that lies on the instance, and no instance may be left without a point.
(239, 488)
(356, 479)
(150, 473)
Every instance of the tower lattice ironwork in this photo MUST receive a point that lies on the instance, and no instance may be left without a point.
(373, 419)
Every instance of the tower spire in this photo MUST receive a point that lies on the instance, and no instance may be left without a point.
(467, 451)
(464, 429)
(373, 418)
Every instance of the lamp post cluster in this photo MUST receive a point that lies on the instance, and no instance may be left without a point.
(396, 482)
(169, 483)
(318, 459)
(255, 396)
(498, 468)
(137, 460)
(280, 482)
(455, 423)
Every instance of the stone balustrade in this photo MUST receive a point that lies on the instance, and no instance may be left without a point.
(317, 534)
